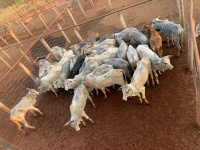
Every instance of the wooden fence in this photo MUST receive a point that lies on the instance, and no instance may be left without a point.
(193, 53)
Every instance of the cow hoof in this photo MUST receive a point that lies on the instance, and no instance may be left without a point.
(177, 56)
(36, 128)
(153, 85)
(92, 122)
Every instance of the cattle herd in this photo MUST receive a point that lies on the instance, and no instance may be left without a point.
(127, 58)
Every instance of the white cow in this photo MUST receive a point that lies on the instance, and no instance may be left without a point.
(59, 82)
(73, 83)
(65, 58)
(77, 107)
(108, 42)
(160, 64)
(47, 81)
(112, 77)
(18, 113)
(139, 78)
(102, 69)
(58, 51)
(133, 57)
(44, 67)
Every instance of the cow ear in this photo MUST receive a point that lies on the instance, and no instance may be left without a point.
(169, 56)
(28, 89)
(119, 89)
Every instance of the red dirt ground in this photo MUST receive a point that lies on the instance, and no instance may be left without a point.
(167, 123)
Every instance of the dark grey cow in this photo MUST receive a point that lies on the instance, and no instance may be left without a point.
(77, 66)
(119, 63)
(172, 31)
(132, 35)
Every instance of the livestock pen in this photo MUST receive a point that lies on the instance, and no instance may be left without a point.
(167, 123)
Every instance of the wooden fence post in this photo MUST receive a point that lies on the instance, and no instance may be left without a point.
(78, 35)
(29, 60)
(81, 8)
(110, 4)
(5, 62)
(43, 21)
(63, 33)
(48, 48)
(26, 28)
(122, 20)
(58, 14)
(27, 71)
(4, 40)
(91, 3)
(72, 18)
(190, 50)
(5, 53)
(182, 13)
(15, 37)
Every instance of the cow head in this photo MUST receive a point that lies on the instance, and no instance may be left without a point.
(164, 63)
(69, 84)
(128, 91)
(74, 124)
(32, 92)
(157, 23)
(58, 83)
(197, 31)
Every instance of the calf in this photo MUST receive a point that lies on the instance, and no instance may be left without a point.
(139, 78)
(17, 113)
(77, 107)
(155, 40)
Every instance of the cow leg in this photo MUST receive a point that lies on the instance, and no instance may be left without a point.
(107, 89)
(54, 90)
(97, 91)
(104, 92)
(168, 42)
(33, 112)
(36, 109)
(18, 124)
(156, 76)
(142, 90)
(148, 82)
(152, 79)
(87, 117)
(83, 122)
(26, 124)
(140, 98)
(90, 98)
(179, 48)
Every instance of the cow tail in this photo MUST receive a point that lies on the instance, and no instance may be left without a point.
(5, 108)
(124, 76)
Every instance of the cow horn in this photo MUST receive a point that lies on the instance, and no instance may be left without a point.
(169, 56)
(159, 17)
